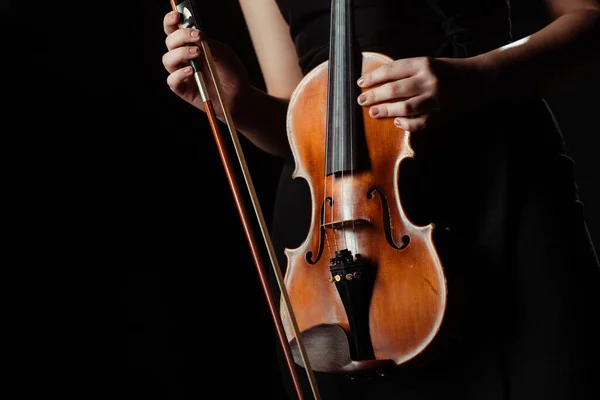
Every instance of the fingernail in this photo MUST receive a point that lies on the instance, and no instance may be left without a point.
(397, 123)
(187, 70)
(362, 98)
(195, 33)
(360, 82)
(374, 111)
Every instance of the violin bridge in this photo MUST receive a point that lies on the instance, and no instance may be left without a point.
(348, 223)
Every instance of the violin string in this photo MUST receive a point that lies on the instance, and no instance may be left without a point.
(326, 203)
(325, 184)
(341, 86)
(339, 115)
(329, 148)
(325, 195)
(335, 125)
(350, 83)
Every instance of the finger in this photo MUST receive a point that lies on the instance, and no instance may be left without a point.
(182, 37)
(170, 22)
(177, 79)
(402, 88)
(392, 71)
(406, 108)
(413, 124)
(177, 58)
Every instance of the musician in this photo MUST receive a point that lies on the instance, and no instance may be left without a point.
(490, 168)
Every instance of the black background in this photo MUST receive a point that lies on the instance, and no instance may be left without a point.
(151, 208)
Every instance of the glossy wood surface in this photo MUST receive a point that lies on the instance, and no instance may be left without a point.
(409, 295)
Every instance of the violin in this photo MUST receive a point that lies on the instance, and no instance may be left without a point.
(367, 286)
(366, 291)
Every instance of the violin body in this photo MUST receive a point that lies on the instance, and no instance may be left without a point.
(357, 215)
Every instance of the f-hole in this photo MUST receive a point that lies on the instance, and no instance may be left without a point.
(387, 225)
(309, 254)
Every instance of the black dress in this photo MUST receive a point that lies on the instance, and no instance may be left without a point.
(502, 185)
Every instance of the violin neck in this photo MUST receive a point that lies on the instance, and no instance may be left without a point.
(345, 62)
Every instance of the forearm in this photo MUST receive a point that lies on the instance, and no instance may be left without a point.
(262, 119)
(563, 53)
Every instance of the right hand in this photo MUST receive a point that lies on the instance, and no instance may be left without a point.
(184, 44)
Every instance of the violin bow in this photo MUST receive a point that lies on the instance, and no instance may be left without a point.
(190, 20)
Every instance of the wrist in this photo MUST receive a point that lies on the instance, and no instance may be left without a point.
(238, 105)
(243, 110)
(488, 77)
(261, 118)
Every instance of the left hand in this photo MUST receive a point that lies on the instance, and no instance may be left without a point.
(420, 92)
